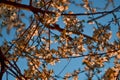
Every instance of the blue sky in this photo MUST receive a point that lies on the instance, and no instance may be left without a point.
(74, 63)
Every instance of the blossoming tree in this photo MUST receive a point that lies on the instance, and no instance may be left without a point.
(47, 32)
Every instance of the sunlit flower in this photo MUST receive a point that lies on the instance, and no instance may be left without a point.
(118, 34)
(91, 22)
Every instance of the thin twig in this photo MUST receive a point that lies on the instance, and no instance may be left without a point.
(64, 67)
(104, 14)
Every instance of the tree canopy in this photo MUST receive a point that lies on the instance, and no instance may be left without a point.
(47, 33)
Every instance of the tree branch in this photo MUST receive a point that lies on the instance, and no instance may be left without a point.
(2, 71)
(30, 2)
(37, 10)
(70, 57)
(26, 7)
(56, 27)
(4, 66)
(104, 14)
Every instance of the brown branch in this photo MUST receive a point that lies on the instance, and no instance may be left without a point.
(90, 54)
(4, 66)
(85, 14)
(2, 61)
(30, 2)
(37, 10)
(26, 7)
(70, 57)
(56, 27)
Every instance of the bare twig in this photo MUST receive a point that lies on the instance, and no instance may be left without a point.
(64, 67)
(104, 14)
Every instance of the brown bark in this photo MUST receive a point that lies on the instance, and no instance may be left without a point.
(2, 62)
